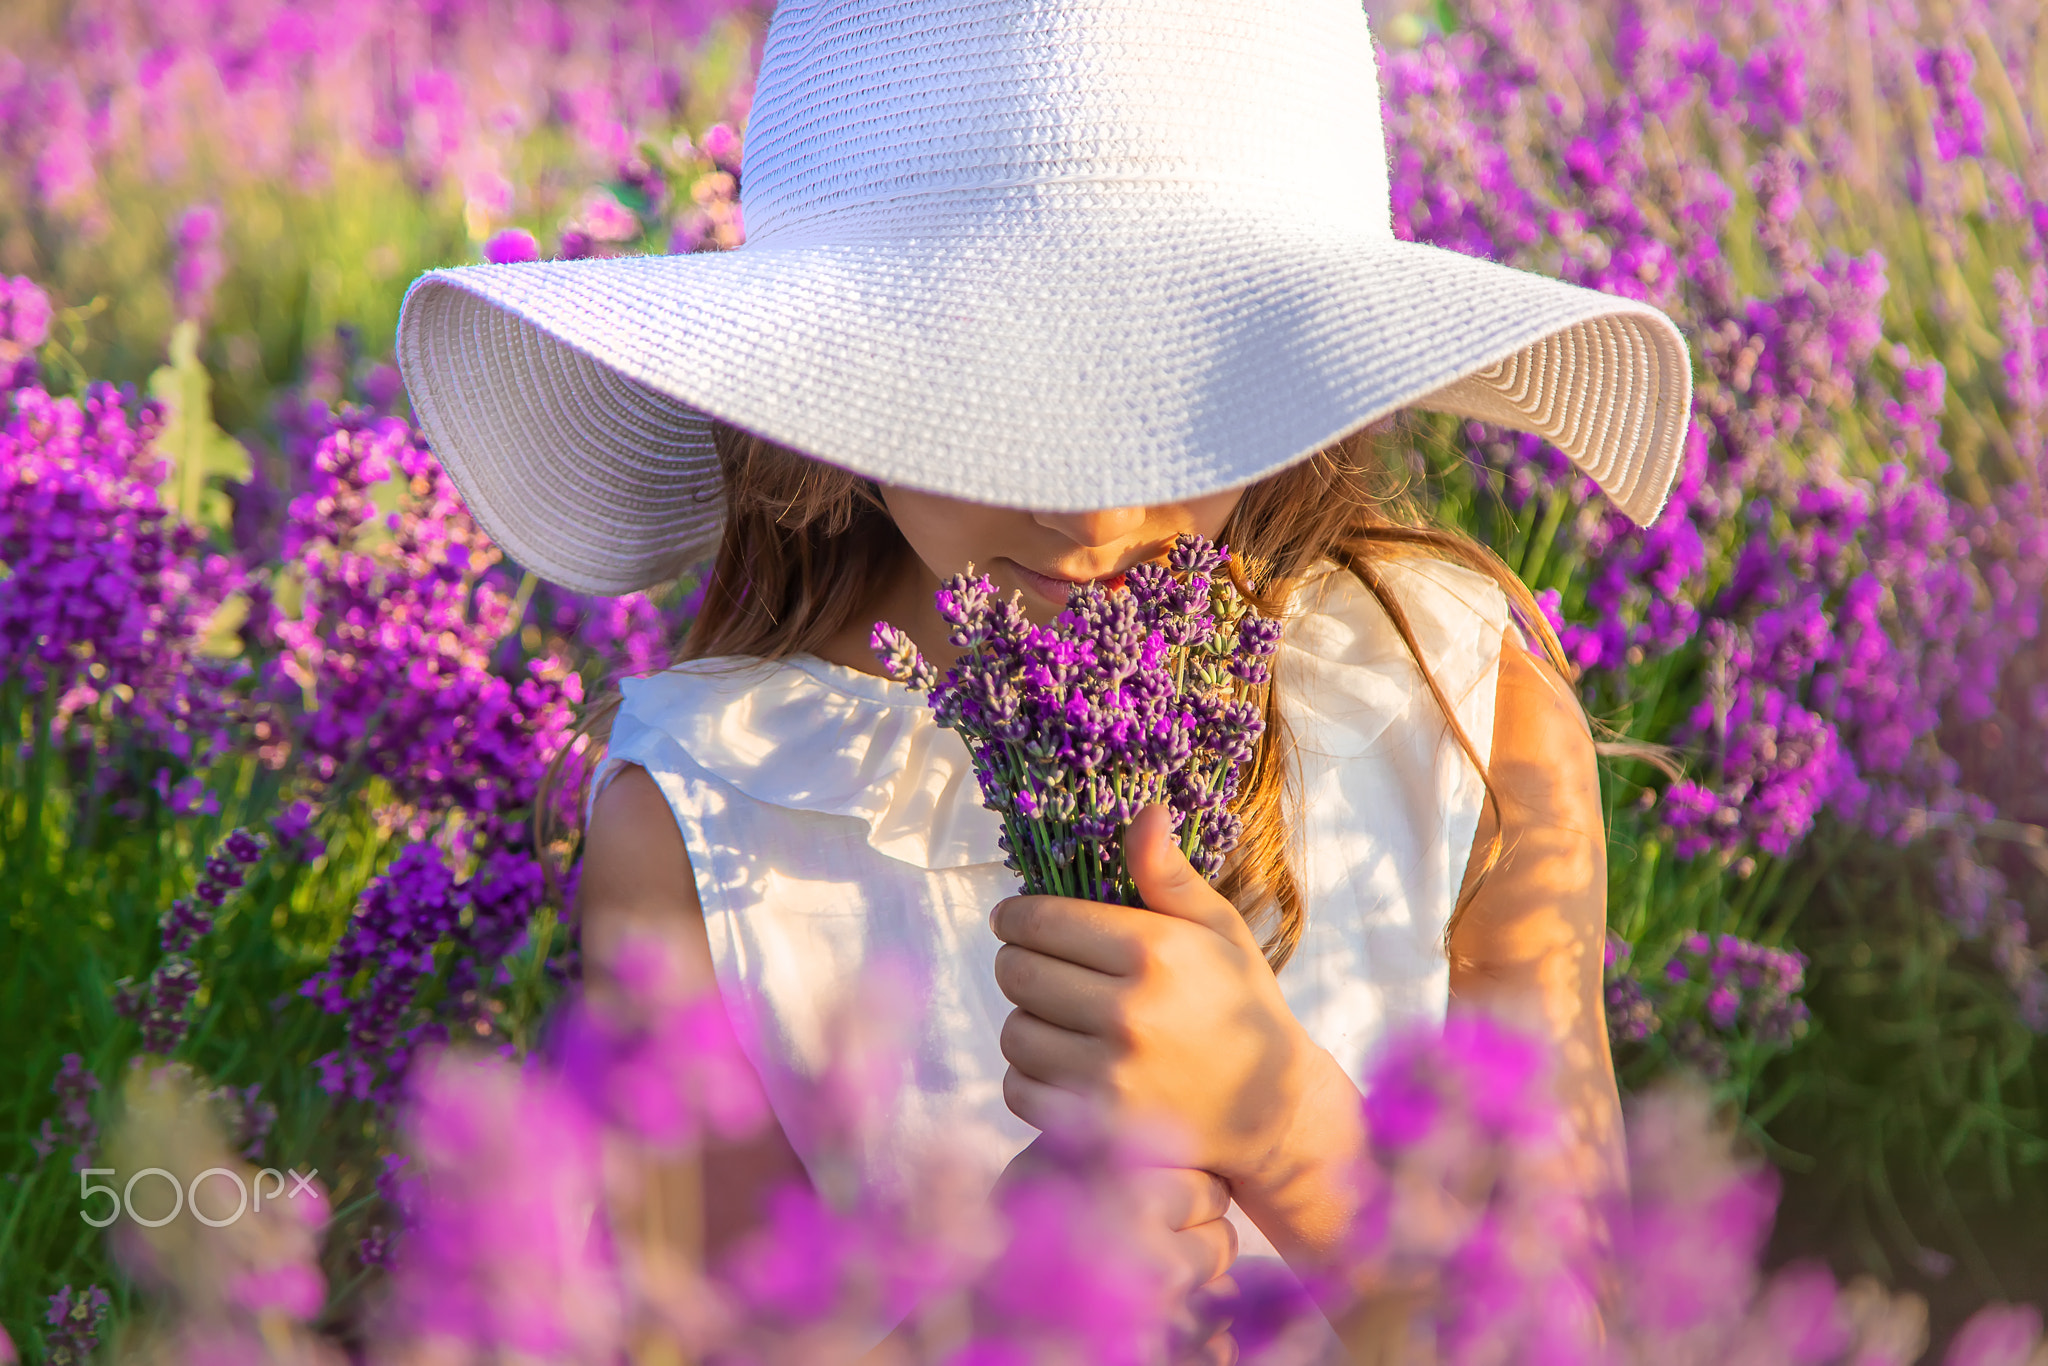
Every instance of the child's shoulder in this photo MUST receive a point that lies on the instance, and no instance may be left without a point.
(688, 691)
(734, 713)
(1452, 609)
(804, 734)
(1348, 673)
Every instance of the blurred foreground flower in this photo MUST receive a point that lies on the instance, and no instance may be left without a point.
(502, 1252)
(525, 1190)
(232, 1265)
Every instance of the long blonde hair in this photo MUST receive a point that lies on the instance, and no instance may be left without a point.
(804, 543)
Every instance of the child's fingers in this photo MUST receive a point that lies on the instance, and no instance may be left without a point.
(1200, 1257)
(1205, 1252)
(1041, 1104)
(1057, 991)
(1201, 1333)
(1090, 933)
(1219, 1349)
(1170, 885)
(1183, 1197)
(1046, 1052)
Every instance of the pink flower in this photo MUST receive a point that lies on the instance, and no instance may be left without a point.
(604, 219)
(295, 1289)
(500, 1252)
(200, 262)
(511, 244)
(721, 144)
(24, 314)
(665, 1063)
(1997, 1335)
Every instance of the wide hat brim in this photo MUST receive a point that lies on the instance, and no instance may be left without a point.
(1120, 351)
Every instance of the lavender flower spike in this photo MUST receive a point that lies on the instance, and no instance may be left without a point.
(1143, 693)
(901, 659)
(162, 1006)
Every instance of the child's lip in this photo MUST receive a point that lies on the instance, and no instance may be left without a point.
(1054, 587)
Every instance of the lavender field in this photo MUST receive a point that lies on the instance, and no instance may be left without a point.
(282, 886)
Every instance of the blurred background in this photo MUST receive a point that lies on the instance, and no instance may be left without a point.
(236, 591)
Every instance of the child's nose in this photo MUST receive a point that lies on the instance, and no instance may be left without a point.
(1093, 528)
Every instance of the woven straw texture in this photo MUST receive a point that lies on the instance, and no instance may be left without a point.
(1056, 254)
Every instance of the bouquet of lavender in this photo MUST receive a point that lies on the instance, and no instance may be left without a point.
(1148, 692)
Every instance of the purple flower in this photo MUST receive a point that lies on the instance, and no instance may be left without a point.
(223, 871)
(1743, 988)
(108, 593)
(183, 924)
(380, 386)
(74, 1126)
(1722, 1002)
(1958, 117)
(722, 145)
(189, 796)
(795, 1268)
(499, 1252)
(1631, 1015)
(162, 1005)
(1463, 1191)
(25, 316)
(901, 659)
(1067, 1276)
(663, 1063)
(397, 1185)
(399, 630)
(1851, 634)
(629, 634)
(200, 264)
(418, 922)
(1132, 696)
(254, 1118)
(376, 967)
(74, 1321)
(510, 245)
(293, 828)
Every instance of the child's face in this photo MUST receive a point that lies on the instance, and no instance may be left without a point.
(1042, 552)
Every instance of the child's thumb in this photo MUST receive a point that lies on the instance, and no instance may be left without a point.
(1169, 884)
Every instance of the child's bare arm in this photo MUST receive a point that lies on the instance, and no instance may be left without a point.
(1531, 944)
(636, 879)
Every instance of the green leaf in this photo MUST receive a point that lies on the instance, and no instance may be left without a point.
(199, 452)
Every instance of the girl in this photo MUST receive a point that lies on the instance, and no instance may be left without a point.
(1035, 284)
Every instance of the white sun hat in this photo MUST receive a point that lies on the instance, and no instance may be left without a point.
(1051, 254)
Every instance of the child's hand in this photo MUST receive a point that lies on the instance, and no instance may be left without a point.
(1169, 1014)
(1185, 1209)
(1184, 1231)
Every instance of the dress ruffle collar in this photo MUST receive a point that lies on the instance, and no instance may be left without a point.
(809, 735)
(813, 736)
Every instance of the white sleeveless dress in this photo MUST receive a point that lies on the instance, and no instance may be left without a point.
(833, 826)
